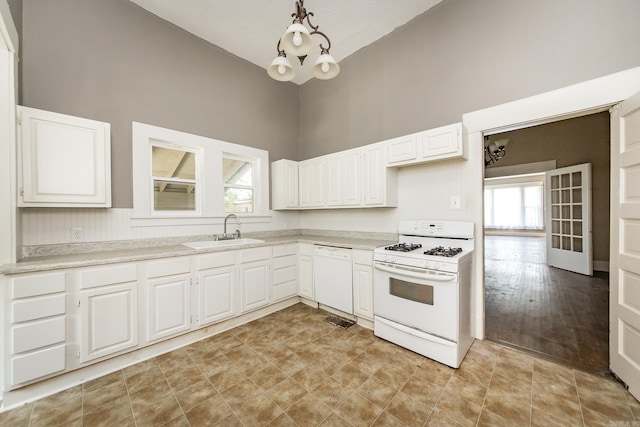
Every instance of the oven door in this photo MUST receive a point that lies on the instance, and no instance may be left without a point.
(423, 299)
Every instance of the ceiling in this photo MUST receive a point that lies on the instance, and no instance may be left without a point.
(250, 29)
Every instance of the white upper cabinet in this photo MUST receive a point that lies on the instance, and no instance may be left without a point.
(441, 143)
(64, 161)
(284, 184)
(311, 180)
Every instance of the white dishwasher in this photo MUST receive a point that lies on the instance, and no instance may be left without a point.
(333, 277)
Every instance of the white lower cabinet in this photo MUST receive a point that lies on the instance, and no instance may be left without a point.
(36, 342)
(255, 278)
(217, 285)
(363, 283)
(168, 298)
(108, 310)
(305, 271)
(285, 274)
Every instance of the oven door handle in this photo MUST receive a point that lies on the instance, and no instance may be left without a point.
(416, 273)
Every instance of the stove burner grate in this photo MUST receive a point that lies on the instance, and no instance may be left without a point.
(404, 247)
(442, 251)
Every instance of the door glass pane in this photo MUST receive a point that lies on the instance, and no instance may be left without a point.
(577, 244)
(577, 228)
(555, 227)
(566, 212)
(411, 291)
(555, 197)
(566, 243)
(577, 212)
(555, 241)
(555, 212)
(566, 227)
(576, 179)
(566, 196)
(565, 180)
(555, 182)
(576, 195)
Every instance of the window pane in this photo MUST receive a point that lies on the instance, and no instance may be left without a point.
(238, 199)
(170, 163)
(173, 196)
(237, 172)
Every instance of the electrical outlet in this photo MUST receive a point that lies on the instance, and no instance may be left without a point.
(76, 235)
(455, 202)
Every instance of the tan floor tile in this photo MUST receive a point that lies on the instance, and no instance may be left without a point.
(329, 364)
(378, 392)
(228, 378)
(60, 408)
(331, 392)
(154, 404)
(439, 418)
(309, 411)
(283, 420)
(174, 360)
(268, 377)
(309, 377)
(216, 365)
(259, 411)
(100, 396)
(510, 406)
(458, 409)
(185, 378)
(237, 395)
(387, 420)
(350, 376)
(286, 393)
(558, 386)
(554, 370)
(423, 391)
(195, 394)
(394, 375)
(358, 411)
(491, 419)
(179, 421)
(434, 372)
(542, 419)
(596, 419)
(335, 420)
(633, 404)
(609, 403)
(139, 379)
(553, 405)
(470, 390)
(109, 414)
(509, 387)
(210, 412)
(18, 417)
(103, 381)
(367, 363)
(408, 410)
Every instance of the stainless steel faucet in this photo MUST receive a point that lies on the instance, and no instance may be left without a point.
(237, 233)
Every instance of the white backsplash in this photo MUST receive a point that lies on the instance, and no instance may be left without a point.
(424, 192)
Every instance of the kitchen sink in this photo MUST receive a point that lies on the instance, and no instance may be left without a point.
(207, 244)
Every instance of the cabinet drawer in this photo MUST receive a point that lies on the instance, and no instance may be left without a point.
(37, 364)
(37, 284)
(169, 266)
(285, 261)
(112, 275)
(283, 275)
(257, 254)
(29, 336)
(306, 249)
(208, 261)
(36, 308)
(362, 257)
(284, 250)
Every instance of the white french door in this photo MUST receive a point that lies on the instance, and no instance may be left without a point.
(624, 278)
(568, 218)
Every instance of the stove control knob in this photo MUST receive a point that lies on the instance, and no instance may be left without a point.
(437, 266)
(393, 259)
(428, 265)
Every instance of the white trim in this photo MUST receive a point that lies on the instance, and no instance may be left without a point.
(8, 31)
(583, 97)
(158, 222)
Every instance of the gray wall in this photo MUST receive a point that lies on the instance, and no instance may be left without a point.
(571, 142)
(112, 61)
(462, 56)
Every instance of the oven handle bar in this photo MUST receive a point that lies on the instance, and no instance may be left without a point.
(414, 272)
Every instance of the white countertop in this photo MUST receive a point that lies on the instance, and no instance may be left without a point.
(112, 256)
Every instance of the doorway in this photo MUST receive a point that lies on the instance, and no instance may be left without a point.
(553, 313)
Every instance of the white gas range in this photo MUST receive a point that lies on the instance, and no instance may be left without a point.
(422, 289)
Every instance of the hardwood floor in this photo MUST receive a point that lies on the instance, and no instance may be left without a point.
(553, 313)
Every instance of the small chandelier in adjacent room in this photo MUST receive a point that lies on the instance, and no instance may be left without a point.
(494, 151)
(297, 41)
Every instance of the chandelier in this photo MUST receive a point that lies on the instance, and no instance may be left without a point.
(297, 41)
(494, 151)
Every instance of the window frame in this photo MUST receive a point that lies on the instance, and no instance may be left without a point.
(209, 168)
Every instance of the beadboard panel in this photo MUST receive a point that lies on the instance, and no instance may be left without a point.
(44, 226)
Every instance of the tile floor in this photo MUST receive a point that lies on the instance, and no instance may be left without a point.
(292, 368)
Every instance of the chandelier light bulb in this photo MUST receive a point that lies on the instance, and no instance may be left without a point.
(297, 38)
(325, 67)
(282, 69)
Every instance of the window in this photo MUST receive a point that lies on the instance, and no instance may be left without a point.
(185, 179)
(238, 184)
(517, 206)
(173, 174)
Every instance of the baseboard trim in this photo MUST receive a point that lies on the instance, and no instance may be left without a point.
(601, 265)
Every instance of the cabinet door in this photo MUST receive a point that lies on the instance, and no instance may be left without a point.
(254, 284)
(441, 143)
(217, 292)
(109, 320)
(401, 149)
(306, 276)
(168, 306)
(284, 184)
(335, 180)
(363, 291)
(373, 172)
(312, 183)
(65, 161)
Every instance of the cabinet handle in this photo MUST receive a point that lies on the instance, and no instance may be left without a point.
(78, 305)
